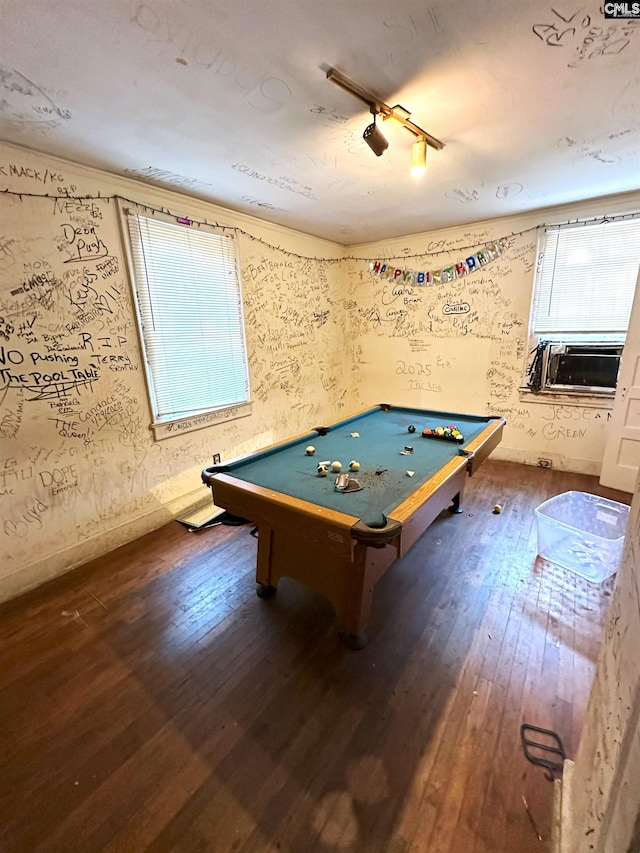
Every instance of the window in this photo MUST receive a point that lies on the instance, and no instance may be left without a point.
(585, 282)
(189, 306)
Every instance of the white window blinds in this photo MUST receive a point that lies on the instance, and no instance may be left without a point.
(586, 277)
(190, 311)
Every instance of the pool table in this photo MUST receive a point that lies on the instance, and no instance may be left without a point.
(340, 543)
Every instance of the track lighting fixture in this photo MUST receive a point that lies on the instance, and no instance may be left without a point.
(372, 134)
(374, 138)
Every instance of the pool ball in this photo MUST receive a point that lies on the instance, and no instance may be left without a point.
(411, 428)
(336, 466)
(322, 470)
(310, 450)
(427, 432)
(354, 465)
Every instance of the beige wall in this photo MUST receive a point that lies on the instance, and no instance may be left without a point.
(464, 346)
(80, 472)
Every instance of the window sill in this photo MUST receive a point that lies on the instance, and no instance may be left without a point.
(593, 401)
(169, 429)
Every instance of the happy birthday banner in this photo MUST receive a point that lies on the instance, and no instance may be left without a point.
(480, 258)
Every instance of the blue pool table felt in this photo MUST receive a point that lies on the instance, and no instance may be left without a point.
(382, 435)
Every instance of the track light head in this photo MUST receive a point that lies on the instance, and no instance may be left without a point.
(374, 138)
(419, 158)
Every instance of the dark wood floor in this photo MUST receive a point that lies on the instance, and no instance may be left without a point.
(151, 702)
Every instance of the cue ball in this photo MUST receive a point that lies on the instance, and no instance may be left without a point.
(411, 428)
(354, 465)
(497, 509)
(336, 466)
(310, 450)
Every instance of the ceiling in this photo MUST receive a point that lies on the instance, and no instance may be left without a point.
(538, 103)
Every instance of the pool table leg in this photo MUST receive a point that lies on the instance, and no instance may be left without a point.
(455, 504)
(344, 571)
(354, 607)
(264, 587)
(354, 641)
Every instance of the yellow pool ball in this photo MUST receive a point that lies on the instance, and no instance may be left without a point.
(336, 466)
(354, 465)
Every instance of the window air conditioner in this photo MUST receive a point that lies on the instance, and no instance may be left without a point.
(590, 368)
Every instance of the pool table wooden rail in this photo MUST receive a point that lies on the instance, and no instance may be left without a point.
(482, 445)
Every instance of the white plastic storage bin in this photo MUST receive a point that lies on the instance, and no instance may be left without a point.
(583, 533)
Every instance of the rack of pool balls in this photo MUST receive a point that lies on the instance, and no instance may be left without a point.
(448, 433)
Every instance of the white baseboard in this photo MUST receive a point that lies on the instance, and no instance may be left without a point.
(562, 811)
(562, 463)
(53, 565)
